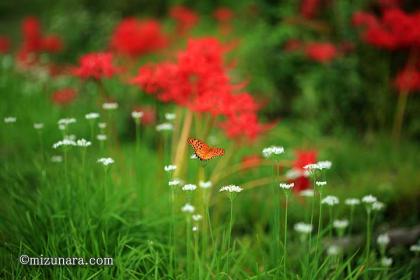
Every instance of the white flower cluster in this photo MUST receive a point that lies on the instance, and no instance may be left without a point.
(38, 126)
(307, 193)
(286, 186)
(188, 208)
(340, 224)
(273, 150)
(369, 199)
(106, 161)
(193, 156)
(137, 115)
(330, 200)
(205, 185)
(9, 119)
(83, 143)
(383, 240)
(189, 187)
(231, 188)
(415, 248)
(101, 137)
(352, 201)
(303, 228)
(169, 168)
(386, 262)
(319, 165)
(164, 126)
(197, 217)
(63, 123)
(175, 182)
(377, 206)
(333, 250)
(102, 125)
(92, 116)
(64, 142)
(110, 105)
(170, 116)
(56, 158)
(321, 183)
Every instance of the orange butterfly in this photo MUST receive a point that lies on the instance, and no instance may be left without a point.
(204, 151)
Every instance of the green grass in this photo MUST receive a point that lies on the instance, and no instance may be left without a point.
(77, 208)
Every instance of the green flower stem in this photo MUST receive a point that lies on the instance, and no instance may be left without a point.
(285, 231)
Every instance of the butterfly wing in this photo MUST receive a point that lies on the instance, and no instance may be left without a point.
(204, 151)
(200, 148)
(215, 152)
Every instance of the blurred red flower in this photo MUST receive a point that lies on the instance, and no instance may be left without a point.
(4, 44)
(198, 80)
(389, 3)
(223, 14)
(361, 18)
(135, 37)
(321, 52)
(297, 174)
(292, 45)
(34, 42)
(185, 18)
(395, 29)
(64, 96)
(149, 114)
(408, 80)
(251, 161)
(309, 8)
(52, 44)
(96, 66)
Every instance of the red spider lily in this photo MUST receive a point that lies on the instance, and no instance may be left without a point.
(394, 30)
(96, 66)
(34, 42)
(51, 44)
(292, 45)
(309, 8)
(149, 114)
(244, 125)
(198, 80)
(408, 80)
(297, 174)
(185, 18)
(251, 161)
(223, 15)
(32, 36)
(321, 52)
(4, 44)
(64, 96)
(364, 19)
(134, 37)
(389, 3)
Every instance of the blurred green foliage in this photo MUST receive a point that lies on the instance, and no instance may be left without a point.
(355, 91)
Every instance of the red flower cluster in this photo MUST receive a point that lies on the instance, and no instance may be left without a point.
(394, 30)
(35, 42)
(4, 44)
(198, 80)
(298, 174)
(309, 8)
(149, 114)
(135, 37)
(96, 66)
(321, 52)
(223, 14)
(185, 18)
(63, 96)
(408, 80)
